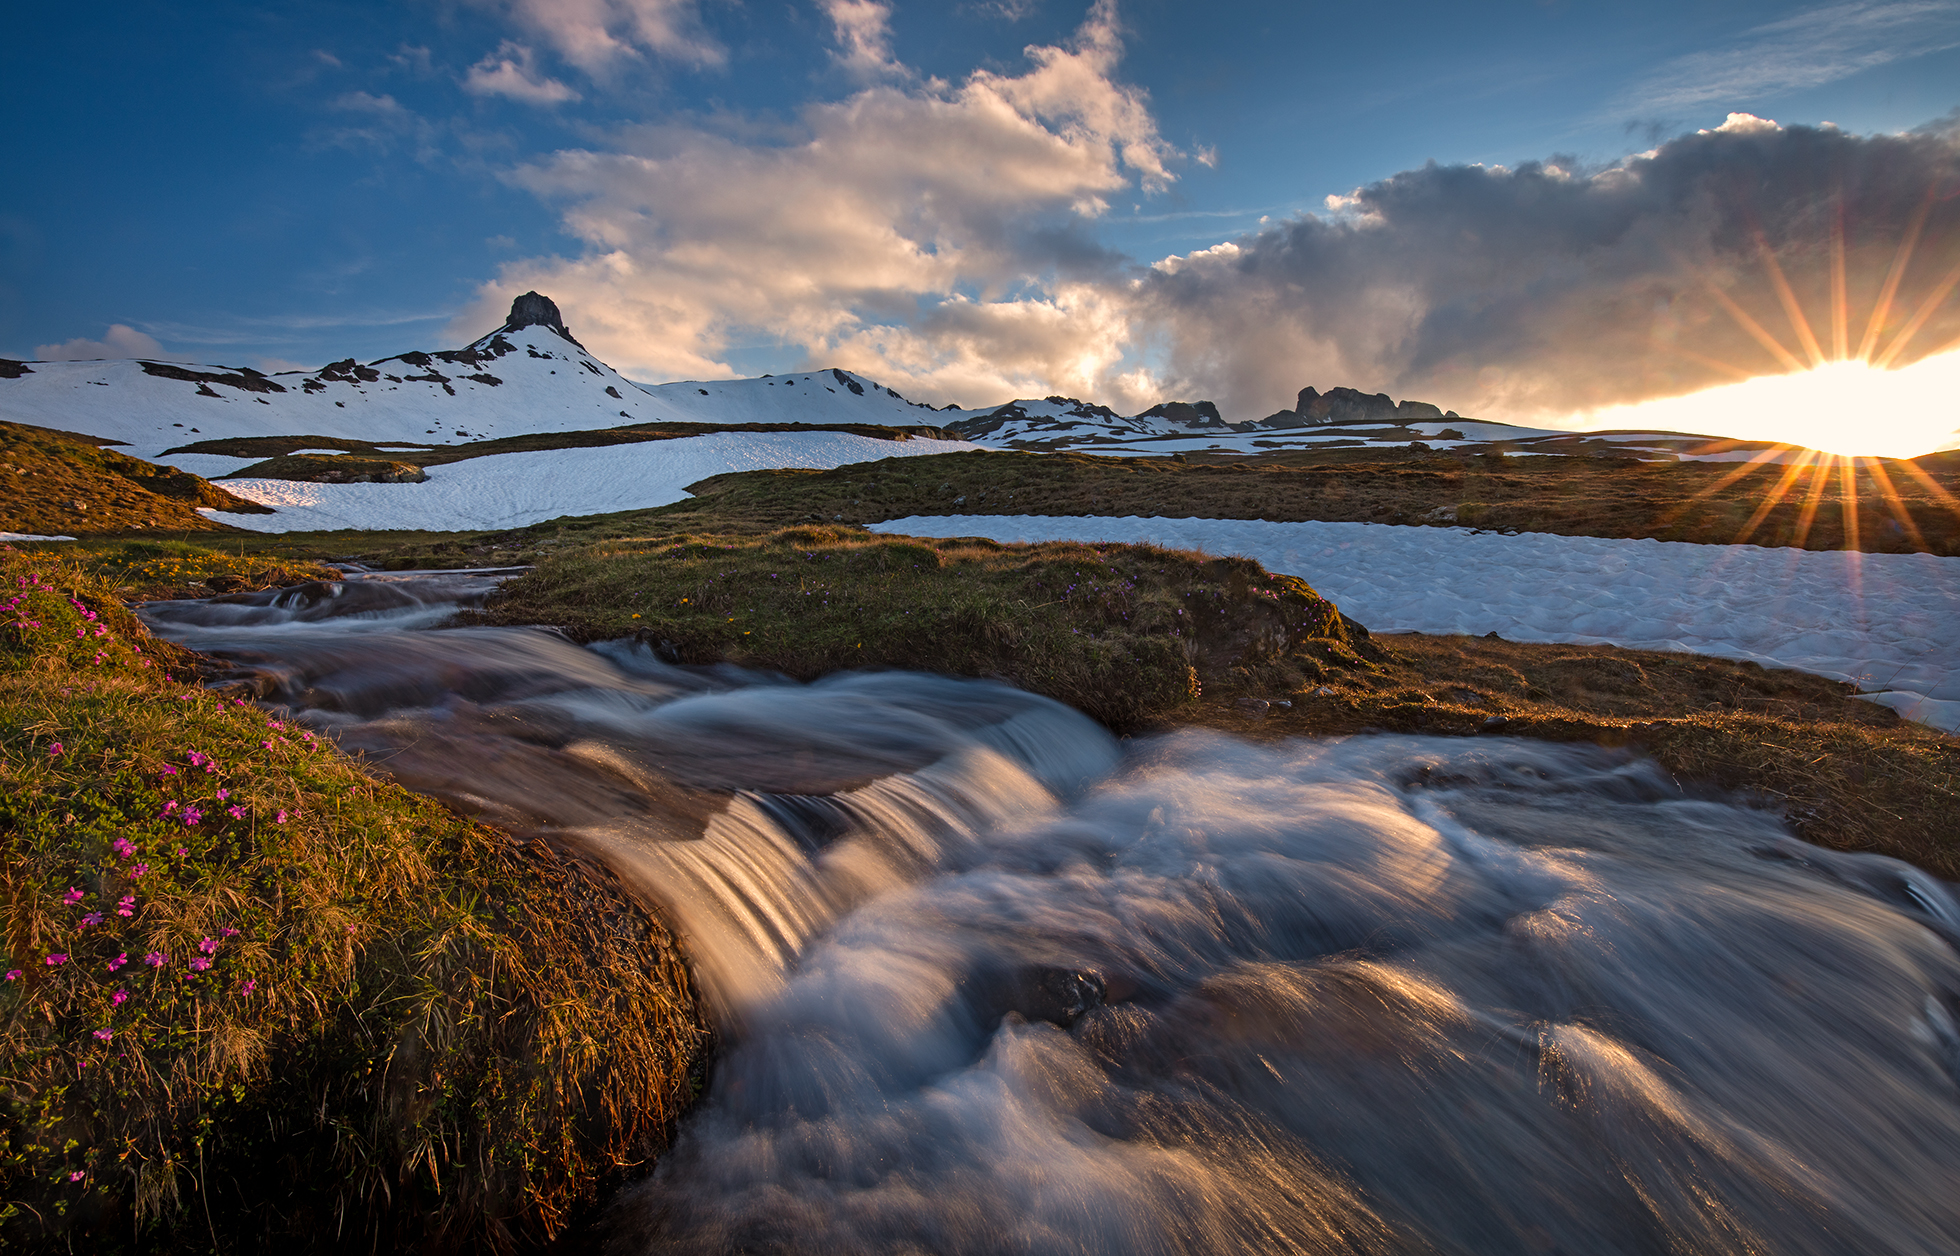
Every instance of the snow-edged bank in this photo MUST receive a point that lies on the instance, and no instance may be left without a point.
(511, 490)
(1889, 622)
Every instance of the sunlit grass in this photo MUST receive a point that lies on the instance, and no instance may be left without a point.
(250, 992)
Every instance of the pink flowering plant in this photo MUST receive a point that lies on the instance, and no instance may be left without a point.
(201, 956)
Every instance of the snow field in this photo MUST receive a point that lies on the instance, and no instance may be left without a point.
(1888, 622)
(511, 490)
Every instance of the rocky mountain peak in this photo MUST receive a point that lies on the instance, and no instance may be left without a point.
(534, 309)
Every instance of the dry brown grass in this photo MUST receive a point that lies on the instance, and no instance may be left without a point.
(1571, 496)
(52, 483)
(1844, 773)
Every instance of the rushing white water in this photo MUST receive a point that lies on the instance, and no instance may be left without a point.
(994, 982)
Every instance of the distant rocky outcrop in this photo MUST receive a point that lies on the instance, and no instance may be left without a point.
(534, 309)
(1186, 413)
(1351, 405)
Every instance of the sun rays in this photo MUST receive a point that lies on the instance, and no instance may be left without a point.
(1836, 407)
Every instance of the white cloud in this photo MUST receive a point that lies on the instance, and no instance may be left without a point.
(120, 341)
(597, 35)
(509, 72)
(863, 37)
(1538, 291)
(930, 234)
(1744, 124)
(1807, 49)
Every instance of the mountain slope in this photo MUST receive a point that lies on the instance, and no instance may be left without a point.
(528, 376)
(53, 483)
(532, 377)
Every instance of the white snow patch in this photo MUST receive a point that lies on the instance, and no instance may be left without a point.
(29, 536)
(1884, 621)
(1933, 712)
(511, 490)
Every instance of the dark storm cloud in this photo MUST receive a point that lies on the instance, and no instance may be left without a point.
(1546, 288)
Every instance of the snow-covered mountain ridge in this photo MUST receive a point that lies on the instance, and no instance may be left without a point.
(531, 376)
(528, 376)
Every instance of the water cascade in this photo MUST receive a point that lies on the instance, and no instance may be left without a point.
(995, 982)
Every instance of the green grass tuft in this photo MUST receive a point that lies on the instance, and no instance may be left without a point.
(253, 995)
(1127, 634)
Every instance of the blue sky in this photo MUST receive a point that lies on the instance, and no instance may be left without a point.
(714, 188)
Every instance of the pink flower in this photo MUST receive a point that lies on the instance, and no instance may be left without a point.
(119, 998)
(196, 757)
(119, 961)
(13, 974)
(167, 808)
(281, 817)
(181, 852)
(237, 813)
(126, 905)
(156, 959)
(249, 986)
(191, 816)
(228, 932)
(167, 770)
(223, 794)
(57, 960)
(122, 847)
(91, 920)
(274, 724)
(72, 897)
(208, 945)
(140, 871)
(101, 1035)
(200, 962)
(54, 750)
(266, 744)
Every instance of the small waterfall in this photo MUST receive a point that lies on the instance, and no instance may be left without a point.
(996, 983)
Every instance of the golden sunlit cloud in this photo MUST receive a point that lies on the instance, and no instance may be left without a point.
(1848, 407)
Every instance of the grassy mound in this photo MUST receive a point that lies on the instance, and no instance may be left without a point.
(52, 483)
(1886, 507)
(332, 469)
(1127, 634)
(1843, 773)
(1098, 627)
(253, 997)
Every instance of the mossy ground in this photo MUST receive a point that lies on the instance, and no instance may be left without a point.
(53, 484)
(1894, 507)
(1123, 633)
(1845, 774)
(255, 998)
(1096, 626)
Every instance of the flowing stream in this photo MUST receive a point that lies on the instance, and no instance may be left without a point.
(993, 981)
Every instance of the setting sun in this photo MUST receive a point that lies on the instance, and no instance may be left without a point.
(1850, 408)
